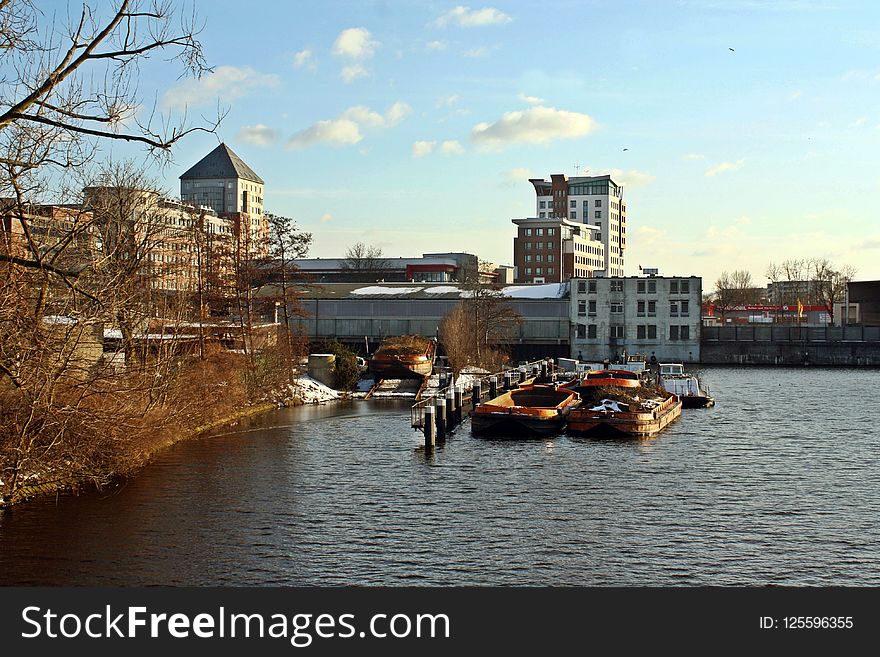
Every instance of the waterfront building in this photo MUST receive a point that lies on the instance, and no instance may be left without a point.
(594, 200)
(553, 250)
(647, 315)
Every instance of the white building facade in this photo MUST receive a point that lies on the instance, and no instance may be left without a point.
(595, 200)
(657, 315)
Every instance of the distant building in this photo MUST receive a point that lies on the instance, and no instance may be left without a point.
(657, 315)
(553, 250)
(862, 303)
(430, 268)
(223, 182)
(595, 200)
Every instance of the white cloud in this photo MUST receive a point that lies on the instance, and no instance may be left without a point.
(448, 101)
(326, 217)
(859, 122)
(482, 51)
(353, 72)
(422, 148)
(533, 126)
(531, 100)
(304, 59)
(648, 235)
(467, 17)
(228, 82)
(631, 178)
(338, 132)
(258, 135)
(355, 43)
(694, 156)
(723, 167)
(345, 129)
(436, 45)
(518, 174)
(451, 147)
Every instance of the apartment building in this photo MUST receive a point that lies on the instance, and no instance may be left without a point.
(553, 250)
(589, 200)
(647, 315)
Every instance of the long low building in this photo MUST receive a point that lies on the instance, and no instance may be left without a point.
(355, 313)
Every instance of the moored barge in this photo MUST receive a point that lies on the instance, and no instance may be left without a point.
(530, 410)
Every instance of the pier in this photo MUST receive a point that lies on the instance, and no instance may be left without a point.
(438, 415)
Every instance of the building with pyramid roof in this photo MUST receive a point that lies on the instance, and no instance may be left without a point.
(223, 182)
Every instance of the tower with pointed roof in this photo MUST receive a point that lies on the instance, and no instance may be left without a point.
(222, 181)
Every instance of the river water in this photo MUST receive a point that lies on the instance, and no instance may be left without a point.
(779, 483)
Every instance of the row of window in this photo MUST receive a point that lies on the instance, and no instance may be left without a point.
(540, 258)
(540, 231)
(590, 286)
(675, 287)
(539, 271)
(643, 332)
(539, 245)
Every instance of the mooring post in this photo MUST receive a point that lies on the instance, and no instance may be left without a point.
(428, 424)
(543, 368)
(441, 418)
(493, 387)
(450, 409)
(459, 403)
(522, 374)
(443, 380)
(476, 394)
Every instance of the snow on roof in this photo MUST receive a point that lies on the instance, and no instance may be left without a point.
(548, 290)
(376, 290)
(441, 289)
(59, 319)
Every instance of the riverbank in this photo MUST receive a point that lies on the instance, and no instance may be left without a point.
(304, 390)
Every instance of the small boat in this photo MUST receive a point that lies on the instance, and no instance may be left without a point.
(615, 402)
(688, 387)
(405, 357)
(536, 410)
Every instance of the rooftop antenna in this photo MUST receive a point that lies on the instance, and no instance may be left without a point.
(577, 168)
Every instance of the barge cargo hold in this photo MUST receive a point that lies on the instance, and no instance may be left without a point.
(531, 410)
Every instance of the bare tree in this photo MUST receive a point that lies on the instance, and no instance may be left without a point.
(363, 260)
(830, 283)
(732, 290)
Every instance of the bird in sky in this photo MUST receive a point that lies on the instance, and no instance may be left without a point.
(626, 149)
(731, 50)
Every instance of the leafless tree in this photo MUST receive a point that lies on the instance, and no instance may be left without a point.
(830, 283)
(363, 260)
(733, 289)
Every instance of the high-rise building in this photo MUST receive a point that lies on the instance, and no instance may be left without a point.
(594, 200)
(552, 250)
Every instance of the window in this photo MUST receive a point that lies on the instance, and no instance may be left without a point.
(673, 287)
(617, 286)
(616, 307)
(685, 287)
(652, 287)
(528, 258)
(640, 309)
(539, 231)
(598, 214)
(652, 308)
(591, 331)
(551, 271)
(543, 204)
(550, 257)
(528, 232)
(673, 308)
(573, 203)
(592, 307)
(685, 332)
(617, 332)
(598, 203)
(592, 288)
(652, 331)
(573, 215)
(640, 332)
(582, 287)
(528, 246)
(528, 271)
(539, 245)
(541, 215)
(673, 333)
(551, 231)
(640, 287)
(539, 258)
(538, 271)
(581, 332)
(582, 308)
(685, 309)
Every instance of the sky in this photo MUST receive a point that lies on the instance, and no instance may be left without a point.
(744, 132)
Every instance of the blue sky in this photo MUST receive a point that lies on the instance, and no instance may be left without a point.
(414, 126)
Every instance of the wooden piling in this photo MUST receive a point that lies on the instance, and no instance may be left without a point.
(476, 395)
(429, 425)
(543, 369)
(450, 410)
(459, 402)
(493, 387)
(441, 418)
(522, 375)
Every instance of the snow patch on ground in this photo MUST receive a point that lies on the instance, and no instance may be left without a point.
(312, 391)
